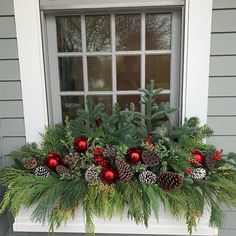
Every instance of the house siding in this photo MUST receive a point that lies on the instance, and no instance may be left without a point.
(222, 88)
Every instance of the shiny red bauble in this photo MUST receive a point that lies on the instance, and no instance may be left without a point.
(134, 155)
(52, 160)
(81, 144)
(198, 157)
(109, 175)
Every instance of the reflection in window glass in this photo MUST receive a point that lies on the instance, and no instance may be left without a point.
(105, 99)
(98, 34)
(99, 73)
(71, 74)
(125, 100)
(158, 31)
(158, 69)
(68, 33)
(128, 28)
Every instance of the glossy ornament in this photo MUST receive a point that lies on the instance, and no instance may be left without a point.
(134, 155)
(81, 144)
(52, 160)
(109, 175)
(198, 157)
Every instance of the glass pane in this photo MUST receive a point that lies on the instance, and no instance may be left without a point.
(68, 33)
(98, 34)
(70, 104)
(106, 100)
(125, 100)
(128, 72)
(128, 28)
(158, 31)
(71, 74)
(162, 98)
(99, 73)
(158, 69)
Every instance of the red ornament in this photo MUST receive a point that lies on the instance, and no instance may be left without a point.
(217, 155)
(81, 144)
(188, 171)
(134, 155)
(109, 175)
(52, 160)
(97, 151)
(198, 157)
(100, 161)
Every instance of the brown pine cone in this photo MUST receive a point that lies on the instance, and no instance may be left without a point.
(170, 180)
(124, 171)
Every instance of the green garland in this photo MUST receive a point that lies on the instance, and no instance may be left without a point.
(104, 163)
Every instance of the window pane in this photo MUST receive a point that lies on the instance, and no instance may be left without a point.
(125, 100)
(106, 100)
(70, 104)
(128, 72)
(162, 98)
(71, 74)
(158, 31)
(98, 34)
(158, 69)
(68, 33)
(99, 73)
(128, 32)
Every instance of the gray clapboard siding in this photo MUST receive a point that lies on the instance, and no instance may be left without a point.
(9, 70)
(223, 125)
(217, 86)
(222, 106)
(10, 90)
(224, 4)
(227, 143)
(7, 26)
(227, 232)
(223, 65)
(13, 127)
(230, 220)
(11, 109)
(8, 49)
(224, 21)
(6, 8)
(12, 143)
(221, 44)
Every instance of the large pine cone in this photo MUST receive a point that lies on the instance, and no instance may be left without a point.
(124, 171)
(150, 158)
(170, 180)
(198, 174)
(41, 171)
(148, 177)
(109, 153)
(91, 175)
(210, 162)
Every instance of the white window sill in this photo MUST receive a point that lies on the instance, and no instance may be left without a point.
(166, 226)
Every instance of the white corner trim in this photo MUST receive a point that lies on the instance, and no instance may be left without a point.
(29, 39)
(197, 39)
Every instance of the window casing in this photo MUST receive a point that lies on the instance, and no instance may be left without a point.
(111, 71)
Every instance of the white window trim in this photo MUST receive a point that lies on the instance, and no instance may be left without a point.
(196, 58)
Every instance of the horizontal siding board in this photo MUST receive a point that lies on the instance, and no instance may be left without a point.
(12, 143)
(224, 232)
(223, 125)
(8, 49)
(227, 143)
(13, 127)
(230, 220)
(224, 21)
(10, 90)
(222, 86)
(222, 106)
(11, 109)
(221, 44)
(7, 26)
(223, 66)
(9, 70)
(224, 4)
(6, 7)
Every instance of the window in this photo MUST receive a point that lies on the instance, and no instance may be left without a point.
(109, 56)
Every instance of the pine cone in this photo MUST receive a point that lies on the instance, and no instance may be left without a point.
(91, 175)
(170, 180)
(198, 174)
(124, 171)
(210, 162)
(72, 158)
(41, 171)
(30, 164)
(109, 153)
(147, 177)
(150, 158)
(60, 169)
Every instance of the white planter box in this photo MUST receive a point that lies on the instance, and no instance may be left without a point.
(166, 226)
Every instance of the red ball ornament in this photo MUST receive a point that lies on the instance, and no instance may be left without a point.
(109, 175)
(52, 160)
(198, 157)
(81, 144)
(134, 155)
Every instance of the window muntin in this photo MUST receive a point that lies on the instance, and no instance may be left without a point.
(110, 56)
